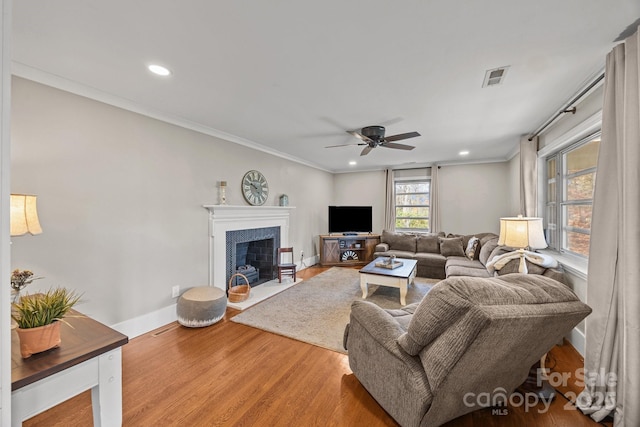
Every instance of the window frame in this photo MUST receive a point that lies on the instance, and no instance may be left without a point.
(557, 237)
(412, 180)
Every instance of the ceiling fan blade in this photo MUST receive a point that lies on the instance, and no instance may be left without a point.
(398, 146)
(401, 136)
(359, 136)
(366, 150)
(344, 145)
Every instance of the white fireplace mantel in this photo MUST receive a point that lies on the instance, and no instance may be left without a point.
(223, 218)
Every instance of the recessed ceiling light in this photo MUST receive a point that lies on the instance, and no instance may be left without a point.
(353, 163)
(159, 70)
(463, 153)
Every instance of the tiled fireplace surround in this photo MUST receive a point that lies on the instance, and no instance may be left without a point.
(225, 225)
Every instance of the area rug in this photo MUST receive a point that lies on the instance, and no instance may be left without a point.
(317, 310)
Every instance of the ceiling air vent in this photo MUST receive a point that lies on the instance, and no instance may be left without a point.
(495, 77)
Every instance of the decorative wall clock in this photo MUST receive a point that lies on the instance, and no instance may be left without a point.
(349, 256)
(255, 188)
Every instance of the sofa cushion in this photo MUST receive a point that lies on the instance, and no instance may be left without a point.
(397, 254)
(471, 250)
(463, 266)
(381, 247)
(428, 243)
(403, 315)
(451, 298)
(463, 261)
(399, 241)
(431, 260)
(451, 246)
(428, 323)
(465, 238)
(487, 245)
(471, 271)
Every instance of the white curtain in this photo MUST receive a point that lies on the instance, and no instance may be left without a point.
(529, 176)
(390, 203)
(434, 202)
(612, 357)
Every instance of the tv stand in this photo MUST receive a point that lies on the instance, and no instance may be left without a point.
(347, 249)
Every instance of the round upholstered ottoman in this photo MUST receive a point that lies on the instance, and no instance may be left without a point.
(201, 306)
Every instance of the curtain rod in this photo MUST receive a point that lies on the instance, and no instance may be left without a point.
(414, 169)
(568, 106)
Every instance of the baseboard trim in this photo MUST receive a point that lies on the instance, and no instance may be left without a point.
(577, 340)
(308, 262)
(147, 322)
(156, 319)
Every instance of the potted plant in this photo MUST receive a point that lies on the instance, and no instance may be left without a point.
(38, 318)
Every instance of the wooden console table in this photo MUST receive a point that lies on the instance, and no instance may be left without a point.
(344, 250)
(89, 357)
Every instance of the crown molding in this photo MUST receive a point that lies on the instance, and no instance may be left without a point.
(39, 76)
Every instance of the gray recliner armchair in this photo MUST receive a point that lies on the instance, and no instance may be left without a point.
(425, 364)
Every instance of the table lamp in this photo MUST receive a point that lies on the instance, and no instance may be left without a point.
(524, 233)
(24, 215)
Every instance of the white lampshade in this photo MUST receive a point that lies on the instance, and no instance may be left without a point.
(522, 232)
(24, 215)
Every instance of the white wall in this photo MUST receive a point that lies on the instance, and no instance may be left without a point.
(514, 186)
(585, 109)
(362, 189)
(474, 197)
(5, 300)
(120, 199)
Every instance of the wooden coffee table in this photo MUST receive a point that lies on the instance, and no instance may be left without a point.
(399, 277)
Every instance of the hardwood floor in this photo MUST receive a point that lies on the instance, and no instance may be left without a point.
(230, 374)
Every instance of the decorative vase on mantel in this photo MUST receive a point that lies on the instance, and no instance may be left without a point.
(37, 340)
(223, 192)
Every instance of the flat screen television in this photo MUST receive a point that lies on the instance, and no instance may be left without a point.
(350, 219)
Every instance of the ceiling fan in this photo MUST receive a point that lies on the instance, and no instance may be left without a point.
(373, 136)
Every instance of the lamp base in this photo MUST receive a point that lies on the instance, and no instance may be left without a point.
(522, 268)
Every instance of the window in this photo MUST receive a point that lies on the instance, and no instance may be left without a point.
(412, 204)
(571, 175)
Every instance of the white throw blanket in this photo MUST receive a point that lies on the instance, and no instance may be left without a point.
(542, 260)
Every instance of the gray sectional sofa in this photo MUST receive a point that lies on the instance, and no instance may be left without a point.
(440, 256)
(468, 336)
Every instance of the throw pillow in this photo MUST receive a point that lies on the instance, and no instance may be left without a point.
(472, 248)
(428, 243)
(486, 247)
(451, 246)
(399, 241)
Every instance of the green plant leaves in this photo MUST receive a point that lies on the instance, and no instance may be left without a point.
(42, 309)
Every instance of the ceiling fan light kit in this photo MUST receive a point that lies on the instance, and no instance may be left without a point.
(375, 133)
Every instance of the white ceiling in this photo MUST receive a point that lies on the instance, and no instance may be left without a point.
(291, 76)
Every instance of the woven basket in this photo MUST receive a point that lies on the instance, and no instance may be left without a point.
(239, 293)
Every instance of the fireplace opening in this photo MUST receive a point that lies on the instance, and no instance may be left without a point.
(252, 253)
(255, 261)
